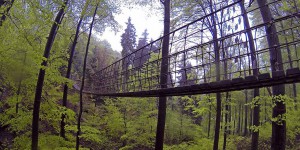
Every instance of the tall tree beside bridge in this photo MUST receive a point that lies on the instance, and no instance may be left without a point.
(128, 43)
(40, 82)
(279, 110)
(256, 109)
(83, 78)
(142, 55)
(68, 74)
(163, 78)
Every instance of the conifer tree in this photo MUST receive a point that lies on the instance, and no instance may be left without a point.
(128, 43)
(142, 55)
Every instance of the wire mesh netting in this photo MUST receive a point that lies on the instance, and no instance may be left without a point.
(226, 48)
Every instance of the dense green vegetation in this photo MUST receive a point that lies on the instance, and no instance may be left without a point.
(110, 122)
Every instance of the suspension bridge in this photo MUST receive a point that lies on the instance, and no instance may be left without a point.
(192, 60)
(221, 51)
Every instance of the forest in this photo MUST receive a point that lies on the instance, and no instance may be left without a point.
(63, 87)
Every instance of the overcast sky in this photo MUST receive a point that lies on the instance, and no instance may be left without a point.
(142, 18)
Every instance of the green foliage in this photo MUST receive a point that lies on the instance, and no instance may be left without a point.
(201, 143)
(23, 38)
(22, 142)
(90, 134)
(48, 141)
(179, 128)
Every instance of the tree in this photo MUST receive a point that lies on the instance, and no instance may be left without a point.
(163, 78)
(186, 75)
(83, 77)
(128, 43)
(285, 10)
(256, 110)
(41, 76)
(142, 55)
(68, 74)
(278, 129)
(216, 47)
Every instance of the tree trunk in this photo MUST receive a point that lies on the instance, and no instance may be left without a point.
(40, 82)
(289, 56)
(163, 79)
(20, 83)
(209, 119)
(242, 118)
(246, 114)
(227, 93)
(239, 120)
(255, 134)
(125, 125)
(278, 130)
(226, 121)
(217, 61)
(83, 78)
(65, 94)
(181, 124)
(291, 65)
(229, 114)
(234, 121)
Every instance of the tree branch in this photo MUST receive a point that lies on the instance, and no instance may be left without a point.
(163, 2)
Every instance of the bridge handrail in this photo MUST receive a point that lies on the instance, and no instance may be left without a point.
(172, 32)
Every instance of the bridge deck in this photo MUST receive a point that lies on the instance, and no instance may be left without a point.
(249, 82)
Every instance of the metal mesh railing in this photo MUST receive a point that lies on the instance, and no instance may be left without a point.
(195, 53)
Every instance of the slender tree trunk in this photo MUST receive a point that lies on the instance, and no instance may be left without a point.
(255, 134)
(181, 124)
(18, 94)
(227, 93)
(83, 78)
(291, 65)
(278, 130)
(20, 83)
(289, 56)
(226, 121)
(255, 119)
(246, 114)
(266, 116)
(239, 121)
(217, 61)
(68, 75)
(251, 118)
(209, 118)
(125, 125)
(242, 118)
(163, 79)
(40, 82)
(229, 114)
(234, 120)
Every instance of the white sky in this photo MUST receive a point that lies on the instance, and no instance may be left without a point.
(142, 18)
